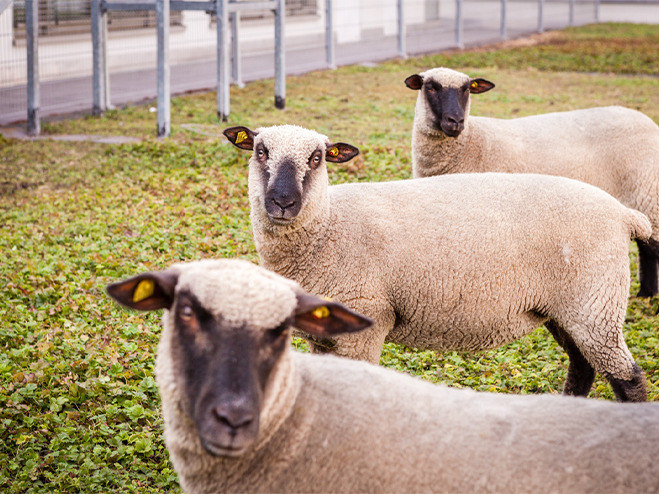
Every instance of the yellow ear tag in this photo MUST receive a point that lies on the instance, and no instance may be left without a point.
(144, 290)
(241, 136)
(321, 312)
(474, 85)
(333, 151)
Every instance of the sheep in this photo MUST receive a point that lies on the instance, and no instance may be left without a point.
(244, 413)
(613, 148)
(459, 262)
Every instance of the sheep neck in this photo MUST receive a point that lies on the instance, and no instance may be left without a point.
(436, 154)
(288, 249)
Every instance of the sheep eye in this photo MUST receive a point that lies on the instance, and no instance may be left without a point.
(315, 159)
(186, 313)
(261, 154)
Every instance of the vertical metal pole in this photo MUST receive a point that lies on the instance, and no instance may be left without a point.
(402, 31)
(280, 59)
(100, 90)
(236, 70)
(597, 11)
(541, 27)
(33, 93)
(223, 104)
(164, 113)
(104, 60)
(504, 32)
(458, 24)
(329, 35)
(571, 12)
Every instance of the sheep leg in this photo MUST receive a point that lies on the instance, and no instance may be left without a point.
(634, 389)
(648, 267)
(580, 374)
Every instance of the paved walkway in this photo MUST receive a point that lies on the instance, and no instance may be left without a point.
(70, 96)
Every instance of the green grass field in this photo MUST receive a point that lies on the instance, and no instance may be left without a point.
(79, 408)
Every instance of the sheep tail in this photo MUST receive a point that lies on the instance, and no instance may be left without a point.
(640, 225)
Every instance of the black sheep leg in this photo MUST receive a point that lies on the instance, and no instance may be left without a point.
(648, 268)
(580, 374)
(633, 390)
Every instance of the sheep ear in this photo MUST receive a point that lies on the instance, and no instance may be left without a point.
(320, 317)
(241, 137)
(148, 291)
(414, 82)
(340, 152)
(477, 86)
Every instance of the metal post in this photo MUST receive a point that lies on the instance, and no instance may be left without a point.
(280, 60)
(504, 33)
(223, 106)
(236, 70)
(33, 93)
(164, 113)
(329, 35)
(100, 81)
(541, 27)
(402, 31)
(458, 24)
(597, 11)
(571, 12)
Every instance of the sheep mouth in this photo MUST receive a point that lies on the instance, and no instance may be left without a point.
(220, 450)
(280, 220)
(452, 132)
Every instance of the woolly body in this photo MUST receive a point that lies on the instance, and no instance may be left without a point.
(613, 148)
(352, 427)
(464, 262)
(335, 425)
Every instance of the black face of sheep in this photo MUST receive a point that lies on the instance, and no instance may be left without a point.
(448, 103)
(223, 368)
(285, 178)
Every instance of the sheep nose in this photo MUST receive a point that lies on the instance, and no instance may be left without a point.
(234, 417)
(455, 120)
(284, 202)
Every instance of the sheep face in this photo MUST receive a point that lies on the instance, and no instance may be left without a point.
(286, 163)
(228, 325)
(445, 95)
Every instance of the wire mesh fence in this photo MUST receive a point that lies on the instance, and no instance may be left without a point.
(361, 31)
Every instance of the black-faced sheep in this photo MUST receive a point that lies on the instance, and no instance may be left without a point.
(245, 413)
(613, 148)
(468, 262)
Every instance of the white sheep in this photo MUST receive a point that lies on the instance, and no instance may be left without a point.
(613, 148)
(245, 413)
(463, 262)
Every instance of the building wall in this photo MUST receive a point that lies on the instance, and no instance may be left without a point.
(69, 56)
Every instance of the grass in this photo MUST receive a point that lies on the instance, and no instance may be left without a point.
(79, 409)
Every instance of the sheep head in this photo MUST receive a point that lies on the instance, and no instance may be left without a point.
(445, 97)
(287, 161)
(228, 325)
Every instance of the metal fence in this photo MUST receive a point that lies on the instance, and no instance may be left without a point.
(59, 70)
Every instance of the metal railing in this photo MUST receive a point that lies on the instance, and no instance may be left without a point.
(222, 9)
(228, 53)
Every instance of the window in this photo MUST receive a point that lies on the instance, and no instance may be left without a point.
(60, 17)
